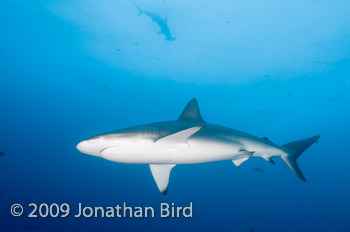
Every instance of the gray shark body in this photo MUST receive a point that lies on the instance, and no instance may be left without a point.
(188, 140)
(162, 23)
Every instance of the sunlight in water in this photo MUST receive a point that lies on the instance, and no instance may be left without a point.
(224, 42)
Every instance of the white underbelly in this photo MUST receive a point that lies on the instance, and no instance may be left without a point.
(191, 152)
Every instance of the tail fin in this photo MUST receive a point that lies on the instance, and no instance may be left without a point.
(294, 150)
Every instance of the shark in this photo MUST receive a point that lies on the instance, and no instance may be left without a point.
(162, 23)
(188, 140)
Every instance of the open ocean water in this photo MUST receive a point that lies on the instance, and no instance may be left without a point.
(73, 69)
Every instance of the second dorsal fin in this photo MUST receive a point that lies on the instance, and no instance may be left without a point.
(191, 112)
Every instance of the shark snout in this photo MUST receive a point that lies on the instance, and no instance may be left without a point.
(89, 147)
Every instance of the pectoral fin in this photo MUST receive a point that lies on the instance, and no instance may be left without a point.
(179, 137)
(161, 174)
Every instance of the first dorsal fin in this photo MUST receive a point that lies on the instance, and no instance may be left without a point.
(191, 112)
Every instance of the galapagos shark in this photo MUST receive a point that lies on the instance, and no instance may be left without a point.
(188, 140)
(162, 23)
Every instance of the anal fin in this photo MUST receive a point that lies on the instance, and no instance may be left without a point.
(270, 160)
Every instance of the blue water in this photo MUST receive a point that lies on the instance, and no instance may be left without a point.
(277, 69)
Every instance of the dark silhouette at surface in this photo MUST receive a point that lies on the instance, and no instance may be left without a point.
(162, 23)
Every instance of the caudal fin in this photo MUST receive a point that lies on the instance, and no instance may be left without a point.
(294, 150)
